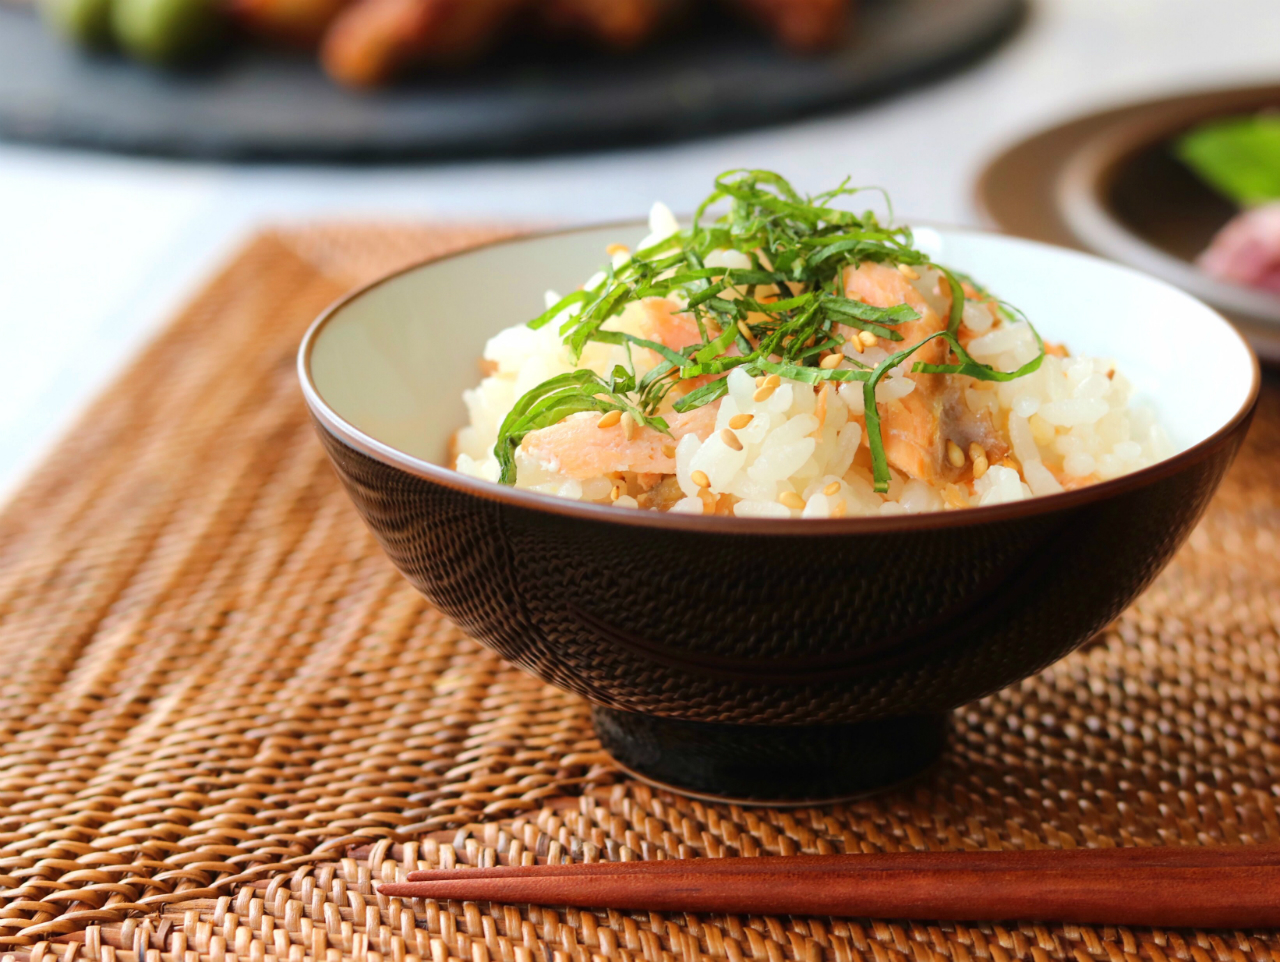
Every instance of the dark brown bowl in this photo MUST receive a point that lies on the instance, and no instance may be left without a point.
(769, 660)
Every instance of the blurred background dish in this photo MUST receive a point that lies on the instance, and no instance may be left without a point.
(713, 74)
(367, 43)
(1125, 183)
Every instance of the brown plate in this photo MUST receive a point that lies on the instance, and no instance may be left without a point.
(1107, 183)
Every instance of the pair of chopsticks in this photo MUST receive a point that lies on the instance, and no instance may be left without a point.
(1193, 886)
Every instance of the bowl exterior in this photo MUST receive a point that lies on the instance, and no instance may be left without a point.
(812, 625)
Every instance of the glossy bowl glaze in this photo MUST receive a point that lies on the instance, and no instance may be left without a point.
(768, 660)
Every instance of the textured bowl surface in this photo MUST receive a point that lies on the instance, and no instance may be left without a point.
(767, 623)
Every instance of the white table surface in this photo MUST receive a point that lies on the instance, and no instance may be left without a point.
(95, 251)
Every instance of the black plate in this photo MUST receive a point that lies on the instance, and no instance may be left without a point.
(264, 104)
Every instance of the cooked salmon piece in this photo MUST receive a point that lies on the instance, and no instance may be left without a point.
(582, 450)
(665, 323)
(916, 428)
(881, 285)
(579, 449)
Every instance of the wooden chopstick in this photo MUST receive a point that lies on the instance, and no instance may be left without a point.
(1191, 856)
(1204, 887)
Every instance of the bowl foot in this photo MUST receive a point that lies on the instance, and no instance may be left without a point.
(771, 764)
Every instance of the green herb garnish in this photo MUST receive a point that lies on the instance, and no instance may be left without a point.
(799, 247)
(1238, 157)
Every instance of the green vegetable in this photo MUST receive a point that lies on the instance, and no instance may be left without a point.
(1239, 157)
(85, 22)
(555, 399)
(167, 32)
(799, 245)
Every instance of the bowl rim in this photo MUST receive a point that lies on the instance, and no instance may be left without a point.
(329, 420)
(1080, 195)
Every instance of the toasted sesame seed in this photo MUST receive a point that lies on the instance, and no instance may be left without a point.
(628, 426)
(700, 479)
(613, 250)
(740, 421)
(789, 499)
(952, 498)
(616, 493)
(730, 440)
(609, 418)
(760, 381)
(868, 339)
(763, 393)
(839, 509)
(908, 272)
(955, 455)
(1041, 429)
(746, 331)
(855, 342)
(773, 380)
(830, 362)
(668, 449)
(976, 451)
(980, 466)
(832, 488)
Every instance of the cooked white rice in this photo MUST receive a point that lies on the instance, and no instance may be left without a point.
(1068, 424)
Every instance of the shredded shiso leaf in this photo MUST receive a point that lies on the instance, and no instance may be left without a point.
(1239, 157)
(800, 245)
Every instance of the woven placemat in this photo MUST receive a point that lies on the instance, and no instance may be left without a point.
(224, 717)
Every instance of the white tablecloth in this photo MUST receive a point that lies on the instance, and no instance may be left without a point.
(96, 250)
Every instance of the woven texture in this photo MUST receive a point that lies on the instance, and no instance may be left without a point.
(224, 717)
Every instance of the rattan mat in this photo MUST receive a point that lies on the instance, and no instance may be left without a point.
(223, 716)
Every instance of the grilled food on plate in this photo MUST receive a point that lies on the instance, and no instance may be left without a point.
(368, 43)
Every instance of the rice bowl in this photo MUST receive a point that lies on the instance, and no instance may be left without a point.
(1008, 418)
(766, 659)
